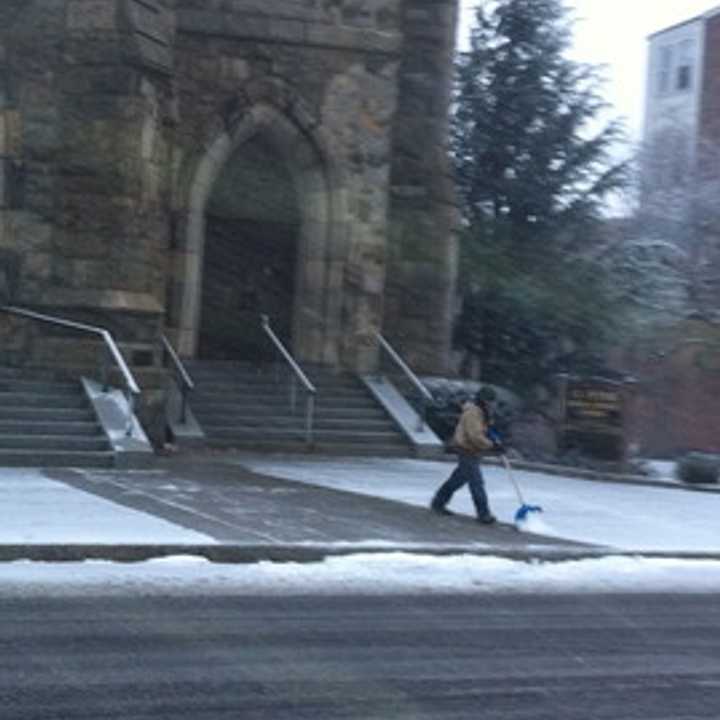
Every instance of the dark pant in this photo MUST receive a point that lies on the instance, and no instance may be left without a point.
(467, 471)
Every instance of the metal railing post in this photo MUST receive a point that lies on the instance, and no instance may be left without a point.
(105, 369)
(110, 349)
(181, 377)
(298, 375)
(426, 397)
(309, 419)
(131, 412)
(183, 405)
(293, 393)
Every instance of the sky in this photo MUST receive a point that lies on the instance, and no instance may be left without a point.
(614, 33)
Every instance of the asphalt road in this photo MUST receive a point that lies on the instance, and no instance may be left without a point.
(399, 658)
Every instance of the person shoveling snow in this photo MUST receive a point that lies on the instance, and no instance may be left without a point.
(470, 441)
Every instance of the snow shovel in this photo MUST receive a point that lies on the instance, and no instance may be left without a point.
(524, 510)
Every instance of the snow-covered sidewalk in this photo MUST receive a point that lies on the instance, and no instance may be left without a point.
(38, 510)
(627, 517)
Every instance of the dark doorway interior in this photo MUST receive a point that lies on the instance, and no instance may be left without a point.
(252, 229)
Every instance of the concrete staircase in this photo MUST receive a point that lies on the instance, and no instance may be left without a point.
(47, 422)
(244, 407)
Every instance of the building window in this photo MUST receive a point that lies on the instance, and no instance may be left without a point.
(665, 66)
(683, 75)
(684, 78)
(675, 67)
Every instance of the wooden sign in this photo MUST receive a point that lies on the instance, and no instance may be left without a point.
(593, 403)
(593, 418)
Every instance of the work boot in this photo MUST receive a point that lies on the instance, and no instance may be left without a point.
(440, 509)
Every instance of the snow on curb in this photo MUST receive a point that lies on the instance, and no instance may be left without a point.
(362, 574)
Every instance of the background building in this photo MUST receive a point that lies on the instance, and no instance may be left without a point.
(678, 358)
(682, 102)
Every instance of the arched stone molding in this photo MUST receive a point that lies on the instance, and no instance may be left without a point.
(323, 236)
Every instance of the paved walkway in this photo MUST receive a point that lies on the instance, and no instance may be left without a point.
(253, 513)
(223, 511)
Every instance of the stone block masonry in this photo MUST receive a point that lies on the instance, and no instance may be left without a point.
(119, 119)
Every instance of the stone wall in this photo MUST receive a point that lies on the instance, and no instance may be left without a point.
(84, 224)
(83, 138)
(329, 69)
(422, 246)
(118, 116)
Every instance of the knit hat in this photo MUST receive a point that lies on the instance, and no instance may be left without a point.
(484, 395)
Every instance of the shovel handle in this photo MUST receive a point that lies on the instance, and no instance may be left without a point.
(506, 462)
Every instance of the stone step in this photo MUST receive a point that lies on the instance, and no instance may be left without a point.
(263, 373)
(244, 406)
(47, 421)
(33, 374)
(44, 400)
(299, 446)
(266, 414)
(54, 442)
(269, 385)
(44, 387)
(57, 458)
(298, 421)
(269, 389)
(281, 402)
(320, 436)
(47, 414)
(27, 427)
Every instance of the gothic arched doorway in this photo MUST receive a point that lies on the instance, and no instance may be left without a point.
(264, 234)
(252, 229)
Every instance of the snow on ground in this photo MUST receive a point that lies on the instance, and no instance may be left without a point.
(364, 574)
(628, 517)
(38, 510)
(662, 470)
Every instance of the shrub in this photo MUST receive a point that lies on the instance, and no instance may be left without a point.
(699, 468)
(449, 396)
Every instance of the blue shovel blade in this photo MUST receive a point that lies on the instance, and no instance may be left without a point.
(525, 510)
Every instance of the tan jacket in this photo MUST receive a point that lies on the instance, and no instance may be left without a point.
(471, 432)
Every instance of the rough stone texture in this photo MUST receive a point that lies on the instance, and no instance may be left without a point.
(118, 117)
(422, 247)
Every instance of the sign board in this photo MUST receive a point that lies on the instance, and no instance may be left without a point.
(593, 417)
(596, 404)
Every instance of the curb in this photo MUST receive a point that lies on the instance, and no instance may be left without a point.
(250, 554)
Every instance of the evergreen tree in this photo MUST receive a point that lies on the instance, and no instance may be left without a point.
(533, 177)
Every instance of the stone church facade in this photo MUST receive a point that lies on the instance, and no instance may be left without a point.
(181, 166)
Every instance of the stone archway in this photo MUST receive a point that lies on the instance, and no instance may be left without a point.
(252, 232)
(314, 321)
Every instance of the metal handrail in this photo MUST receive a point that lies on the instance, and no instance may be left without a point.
(131, 387)
(310, 389)
(182, 377)
(426, 395)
